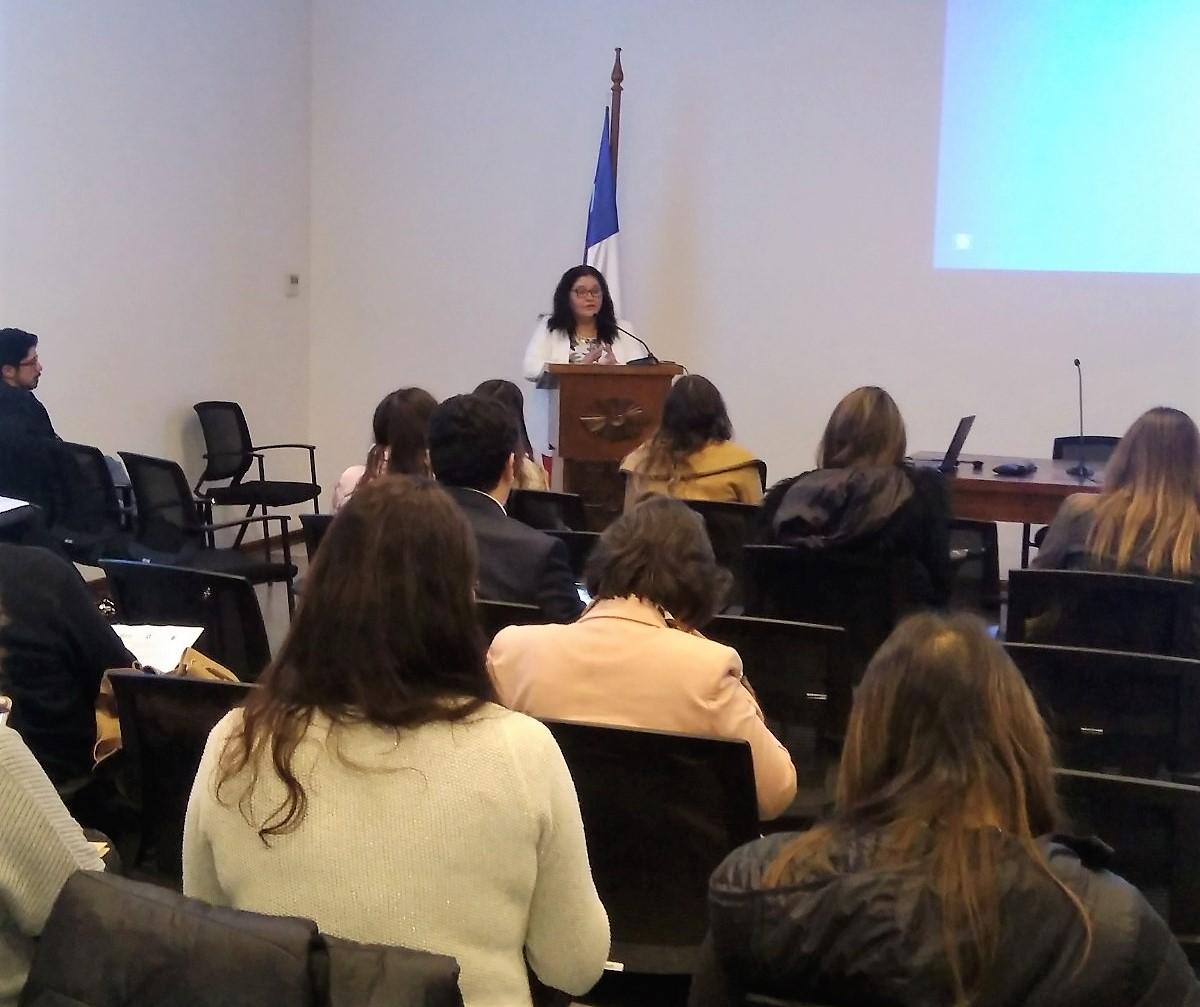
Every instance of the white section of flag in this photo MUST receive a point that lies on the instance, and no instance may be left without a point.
(603, 256)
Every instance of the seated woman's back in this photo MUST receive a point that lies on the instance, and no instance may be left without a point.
(928, 885)
(692, 456)
(372, 785)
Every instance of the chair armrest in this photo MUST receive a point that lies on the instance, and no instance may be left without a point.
(261, 519)
(268, 447)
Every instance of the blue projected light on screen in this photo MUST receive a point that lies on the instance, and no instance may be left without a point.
(1070, 136)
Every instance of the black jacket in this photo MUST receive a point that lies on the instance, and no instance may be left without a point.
(22, 415)
(54, 648)
(110, 941)
(890, 510)
(519, 563)
(868, 938)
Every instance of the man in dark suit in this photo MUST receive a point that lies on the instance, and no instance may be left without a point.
(472, 445)
(21, 414)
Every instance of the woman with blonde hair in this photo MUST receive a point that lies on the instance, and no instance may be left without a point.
(863, 499)
(936, 882)
(692, 455)
(1147, 519)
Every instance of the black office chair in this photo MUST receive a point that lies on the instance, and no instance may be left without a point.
(94, 521)
(226, 606)
(165, 723)
(729, 527)
(1154, 830)
(1093, 449)
(975, 562)
(314, 526)
(579, 547)
(230, 452)
(866, 595)
(170, 530)
(495, 615)
(546, 510)
(1114, 712)
(660, 812)
(1112, 611)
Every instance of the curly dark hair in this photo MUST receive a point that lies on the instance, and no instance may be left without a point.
(659, 551)
(562, 318)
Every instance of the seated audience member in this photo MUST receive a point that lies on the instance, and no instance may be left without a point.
(863, 499)
(692, 455)
(372, 785)
(40, 847)
(21, 414)
(472, 447)
(636, 657)
(530, 474)
(54, 648)
(400, 443)
(1147, 519)
(938, 880)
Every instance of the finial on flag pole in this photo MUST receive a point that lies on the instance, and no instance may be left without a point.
(618, 75)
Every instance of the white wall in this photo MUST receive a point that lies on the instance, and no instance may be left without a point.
(154, 184)
(777, 175)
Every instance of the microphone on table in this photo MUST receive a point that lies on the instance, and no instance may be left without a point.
(649, 358)
(1081, 470)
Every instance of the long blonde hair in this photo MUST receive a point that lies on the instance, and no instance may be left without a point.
(864, 429)
(1150, 508)
(945, 753)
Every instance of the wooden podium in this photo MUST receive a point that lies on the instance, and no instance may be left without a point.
(598, 414)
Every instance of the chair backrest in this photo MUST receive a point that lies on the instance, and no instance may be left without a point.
(729, 527)
(579, 547)
(1154, 830)
(315, 526)
(1113, 611)
(546, 510)
(798, 670)
(167, 520)
(975, 558)
(863, 594)
(495, 615)
(95, 508)
(165, 723)
(1114, 712)
(226, 606)
(660, 811)
(1093, 447)
(761, 468)
(227, 443)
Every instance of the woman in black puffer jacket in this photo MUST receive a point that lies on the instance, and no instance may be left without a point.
(928, 887)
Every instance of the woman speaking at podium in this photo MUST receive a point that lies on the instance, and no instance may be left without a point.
(582, 329)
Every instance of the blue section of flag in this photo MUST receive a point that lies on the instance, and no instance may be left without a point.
(602, 214)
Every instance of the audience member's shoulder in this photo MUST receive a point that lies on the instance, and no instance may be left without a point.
(525, 734)
(514, 638)
(33, 558)
(14, 754)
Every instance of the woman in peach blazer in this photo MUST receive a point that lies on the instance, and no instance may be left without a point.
(635, 659)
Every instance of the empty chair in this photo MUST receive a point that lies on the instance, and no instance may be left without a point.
(547, 511)
(1114, 712)
(1153, 828)
(159, 947)
(230, 452)
(579, 547)
(315, 526)
(660, 811)
(165, 724)
(729, 528)
(226, 606)
(495, 615)
(170, 531)
(863, 594)
(1092, 449)
(1112, 611)
(93, 522)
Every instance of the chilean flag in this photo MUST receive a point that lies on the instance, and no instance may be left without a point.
(600, 245)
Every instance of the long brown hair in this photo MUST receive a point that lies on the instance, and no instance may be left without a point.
(865, 429)
(945, 753)
(1150, 508)
(510, 395)
(399, 425)
(387, 634)
(694, 415)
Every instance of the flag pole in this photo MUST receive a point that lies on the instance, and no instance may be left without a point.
(618, 75)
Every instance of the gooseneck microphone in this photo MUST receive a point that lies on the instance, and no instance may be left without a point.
(1080, 469)
(649, 358)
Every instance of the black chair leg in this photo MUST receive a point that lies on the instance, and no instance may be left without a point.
(237, 542)
(287, 558)
(1025, 530)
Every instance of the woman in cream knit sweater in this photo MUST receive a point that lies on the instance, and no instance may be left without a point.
(373, 785)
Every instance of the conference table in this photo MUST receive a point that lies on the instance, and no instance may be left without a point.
(1033, 499)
